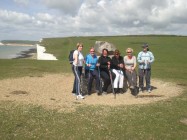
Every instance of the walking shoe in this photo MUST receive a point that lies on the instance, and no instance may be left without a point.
(149, 90)
(116, 90)
(89, 92)
(104, 93)
(80, 97)
(121, 90)
(97, 91)
(140, 89)
(73, 91)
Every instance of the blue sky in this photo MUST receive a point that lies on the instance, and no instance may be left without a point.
(36, 19)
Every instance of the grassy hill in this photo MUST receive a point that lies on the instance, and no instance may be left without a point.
(169, 51)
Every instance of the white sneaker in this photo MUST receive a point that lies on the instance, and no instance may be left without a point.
(149, 90)
(140, 90)
(80, 97)
(104, 93)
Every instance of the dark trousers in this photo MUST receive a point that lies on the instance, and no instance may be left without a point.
(132, 78)
(91, 75)
(147, 74)
(77, 72)
(74, 83)
(106, 79)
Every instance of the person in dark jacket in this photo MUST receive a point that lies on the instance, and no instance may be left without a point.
(117, 69)
(105, 61)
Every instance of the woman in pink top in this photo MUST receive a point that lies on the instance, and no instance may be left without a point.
(130, 65)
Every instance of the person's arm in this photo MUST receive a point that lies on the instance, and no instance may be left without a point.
(134, 66)
(103, 65)
(109, 62)
(75, 57)
(139, 59)
(125, 66)
(113, 63)
(88, 61)
(121, 62)
(152, 58)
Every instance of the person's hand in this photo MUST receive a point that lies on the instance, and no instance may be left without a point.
(84, 61)
(130, 70)
(89, 65)
(108, 65)
(97, 64)
(121, 65)
(148, 62)
(133, 68)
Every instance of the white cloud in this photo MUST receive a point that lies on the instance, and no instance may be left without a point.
(97, 17)
(12, 17)
(66, 6)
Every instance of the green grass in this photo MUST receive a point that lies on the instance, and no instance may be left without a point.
(154, 121)
(21, 67)
(160, 120)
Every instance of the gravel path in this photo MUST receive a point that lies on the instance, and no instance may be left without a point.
(54, 92)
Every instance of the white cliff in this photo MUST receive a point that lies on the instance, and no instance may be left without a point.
(41, 55)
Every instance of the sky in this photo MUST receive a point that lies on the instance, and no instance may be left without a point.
(36, 19)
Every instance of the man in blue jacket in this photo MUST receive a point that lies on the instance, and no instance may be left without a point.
(91, 64)
(145, 59)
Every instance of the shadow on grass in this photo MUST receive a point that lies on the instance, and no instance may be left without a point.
(149, 96)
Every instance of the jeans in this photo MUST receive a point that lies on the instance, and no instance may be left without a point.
(147, 74)
(106, 79)
(132, 78)
(91, 75)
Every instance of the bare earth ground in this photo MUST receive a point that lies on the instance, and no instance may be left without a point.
(54, 92)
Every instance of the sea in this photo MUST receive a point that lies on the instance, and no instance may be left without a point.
(11, 52)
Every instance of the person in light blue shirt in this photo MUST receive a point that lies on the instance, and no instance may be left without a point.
(90, 68)
(145, 59)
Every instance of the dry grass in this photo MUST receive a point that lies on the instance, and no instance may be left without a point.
(54, 92)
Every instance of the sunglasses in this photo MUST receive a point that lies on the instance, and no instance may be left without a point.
(92, 51)
(129, 52)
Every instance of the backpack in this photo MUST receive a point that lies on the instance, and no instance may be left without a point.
(71, 56)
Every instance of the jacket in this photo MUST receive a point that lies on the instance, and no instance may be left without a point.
(116, 61)
(104, 62)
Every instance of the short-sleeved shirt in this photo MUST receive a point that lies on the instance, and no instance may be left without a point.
(129, 63)
(80, 58)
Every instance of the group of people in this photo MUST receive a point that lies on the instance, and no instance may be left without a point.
(111, 70)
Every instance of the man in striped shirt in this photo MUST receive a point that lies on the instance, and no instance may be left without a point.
(145, 59)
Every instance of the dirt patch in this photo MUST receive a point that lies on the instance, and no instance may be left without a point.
(184, 121)
(54, 92)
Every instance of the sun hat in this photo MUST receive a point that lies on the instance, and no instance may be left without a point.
(145, 45)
